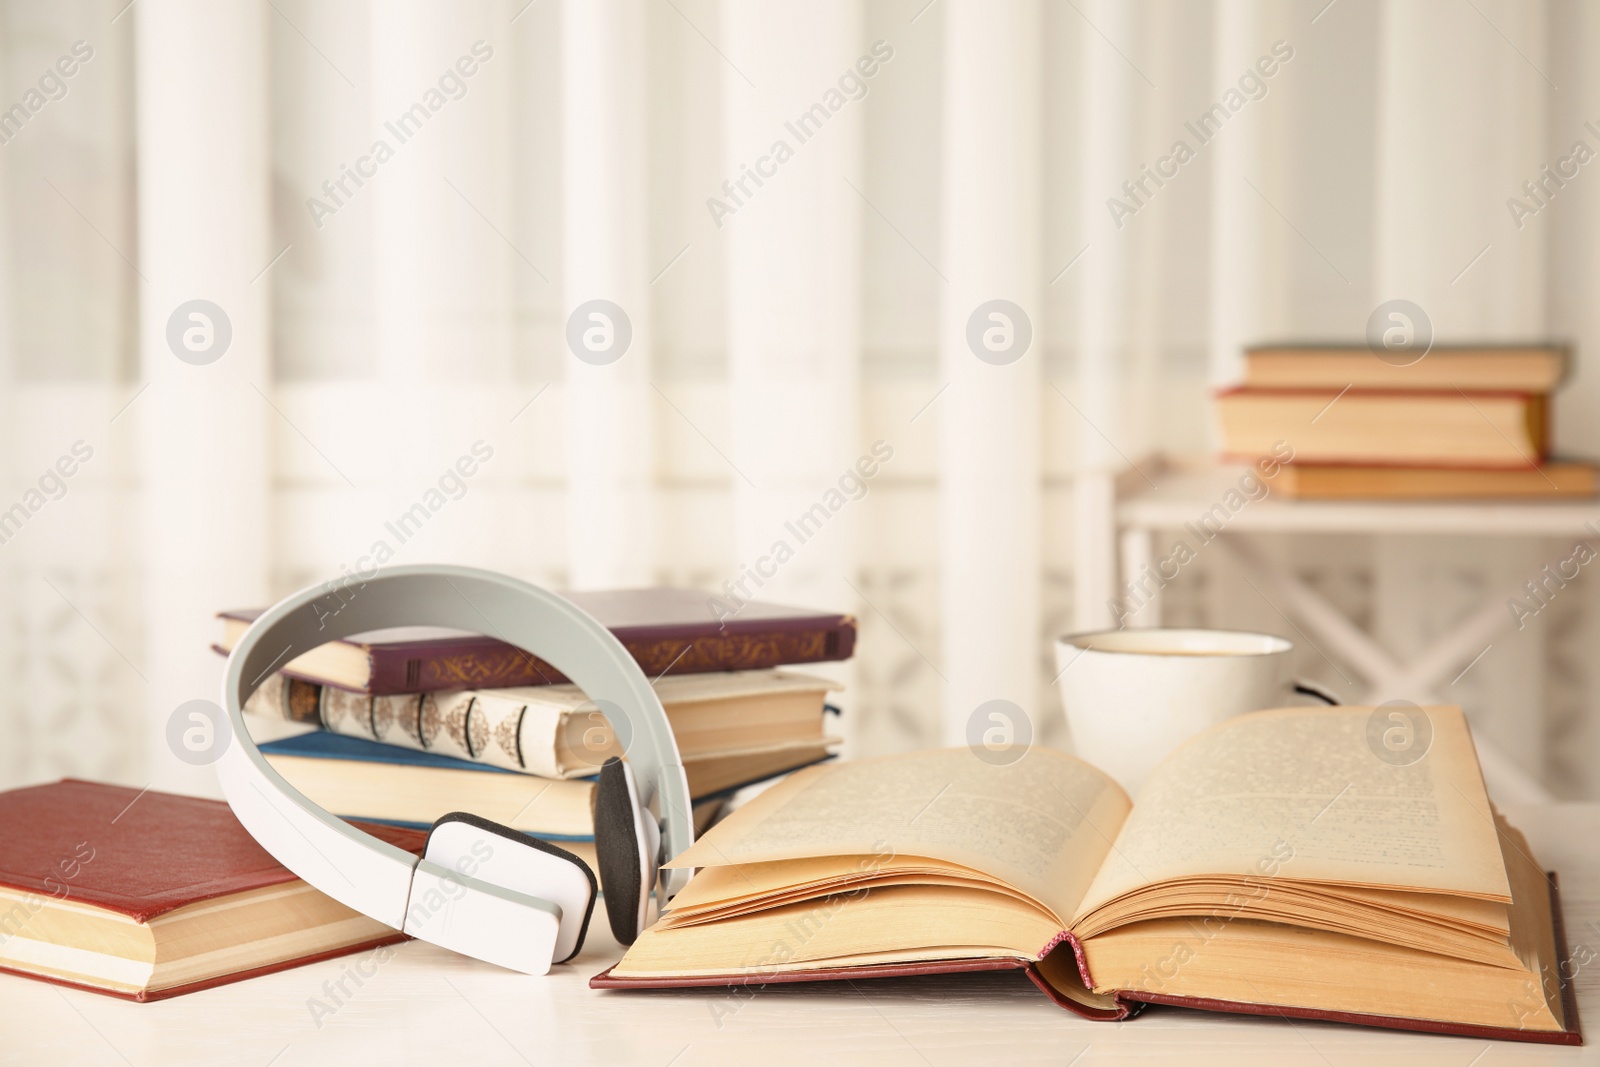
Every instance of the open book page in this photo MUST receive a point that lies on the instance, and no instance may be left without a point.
(1247, 962)
(717, 892)
(907, 923)
(1315, 794)
(1042, 824)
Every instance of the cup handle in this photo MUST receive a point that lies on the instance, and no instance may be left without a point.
(1312, 689)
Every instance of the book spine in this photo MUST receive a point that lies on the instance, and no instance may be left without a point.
(483, 727)
(488, 727)
(271, 698)
(743, 651)
(497, 666)
(290, 699)
(448, 727)
(504, 666)
(537, 742)
(397, 720)
(347, 713)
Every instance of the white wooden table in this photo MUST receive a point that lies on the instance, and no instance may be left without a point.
(428, 1006)
(1184, 496)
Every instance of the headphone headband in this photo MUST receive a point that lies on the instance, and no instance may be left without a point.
(373, 876)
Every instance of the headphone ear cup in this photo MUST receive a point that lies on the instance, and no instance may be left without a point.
(626, 848)
(475, 847)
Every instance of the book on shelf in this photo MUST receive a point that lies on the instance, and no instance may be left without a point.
(359, 779)
(555, 730)
(1448, 428)
(1528, 368)
(668, 631)
(146, 895)
(1287, 862)
(1553, 481)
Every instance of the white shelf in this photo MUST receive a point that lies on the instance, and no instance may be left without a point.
(1183, 496)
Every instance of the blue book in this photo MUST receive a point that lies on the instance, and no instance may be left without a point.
(360, 779)
(356, 778)
(321, 744)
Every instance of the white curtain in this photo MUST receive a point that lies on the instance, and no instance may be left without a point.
(797, 211)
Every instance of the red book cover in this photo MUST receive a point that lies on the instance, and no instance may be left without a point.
(669, 631)
(141, 854)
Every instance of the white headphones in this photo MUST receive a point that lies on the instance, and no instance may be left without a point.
(479, 888)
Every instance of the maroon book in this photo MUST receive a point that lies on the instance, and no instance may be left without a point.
(110, 889)
(668, 631)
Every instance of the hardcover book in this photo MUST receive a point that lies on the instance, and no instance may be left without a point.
(669, 631)
(1485, 368)
(146, 895)
(1447, 428)
(554, 730)
(360, 779)
(1552, 481)
(1328, 863)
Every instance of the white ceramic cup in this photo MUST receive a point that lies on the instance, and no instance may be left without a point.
(1132, 696)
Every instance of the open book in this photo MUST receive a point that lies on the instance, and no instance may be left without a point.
(1280, 863)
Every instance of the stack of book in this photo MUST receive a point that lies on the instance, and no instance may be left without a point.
(403, 726)
(1456, 423)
